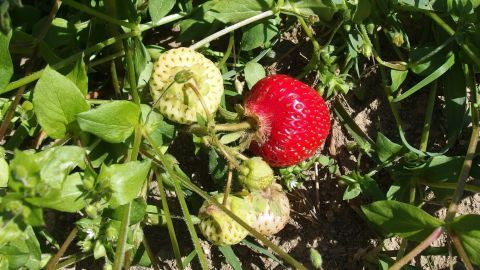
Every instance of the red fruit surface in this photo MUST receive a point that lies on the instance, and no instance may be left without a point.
(293, 120)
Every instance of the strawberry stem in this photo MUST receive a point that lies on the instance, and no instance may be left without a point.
(245, 125)
(228, 186)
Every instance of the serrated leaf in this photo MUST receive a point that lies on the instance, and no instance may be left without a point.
(57, 101)
(6, 71)
(253, 73)
(78, 75)
(401, 219)
(386, 148)
(125, 180)
(228, 11)
(258, 34)
(467, 228)
(159, 8)
(113, 122)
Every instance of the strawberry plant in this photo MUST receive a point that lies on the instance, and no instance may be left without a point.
(162, 132)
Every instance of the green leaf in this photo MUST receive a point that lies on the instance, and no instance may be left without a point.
(430, 78)
(137, 212)
(231, 137)
(142, 63)
(352, 191)
(467, 227)
(161, 132)
(57, 101)
(68, 199)
(401, 219)
(23, 252)
(228, 11)
(125, 180)
(10, 232)
(386, 148)
(455, 100)
(398, 77)
(4, 173)
(159, 8)
(57, 162)
(230, 256)
(6, 71)
(78, 75)
(362, 11)
(113, 122)
(258, 34)
(253, 73)
(262, 250)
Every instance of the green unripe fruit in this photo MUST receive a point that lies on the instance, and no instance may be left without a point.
(255, 174)
(221, 229)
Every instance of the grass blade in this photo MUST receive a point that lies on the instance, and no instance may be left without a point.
(231, 257)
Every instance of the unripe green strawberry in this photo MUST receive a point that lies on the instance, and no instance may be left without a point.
(174, 72)
(255, 174)
(272, 209)
(218, 227)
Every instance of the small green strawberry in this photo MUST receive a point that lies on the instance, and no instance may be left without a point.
(174, 73)
(272, 209)
(218, 227)
(255, 174)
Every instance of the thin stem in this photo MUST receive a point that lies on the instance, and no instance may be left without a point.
(54, 260)
(418, 249)
(162, 21)
(316, 49)
(98, 14)
(106, 59)
(73, 259)
(468, 47)
(225, 57)
(460, 250)
(453, 186)
(151, 255)
(428, 117)
(228, 186)
(467, 163)
(115, 82)
(90, 50)
(168, 219)
(122, 239)
(131, 71)
(29, 68)
(230, 28)
(161, 161)
(183, 205)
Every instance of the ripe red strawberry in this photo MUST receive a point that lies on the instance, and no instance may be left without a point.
(293, 120)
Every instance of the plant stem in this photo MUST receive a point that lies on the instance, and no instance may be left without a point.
(183, 205)
(168, 219)
(161, 161)
(230, 28)
(468, 47)
(460, 250)
(227, 186)
(54, 260)
(225, 57)
(162, 21)
(36, 75)
(418, 249)
(122, 239)
(151, 255)
(467, 163)
(73, 259)
(28, 69)
(316, 49)
(131, 70)
(98, 14)
(105, 59)
(428, 117)
(443, 185)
